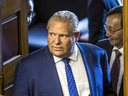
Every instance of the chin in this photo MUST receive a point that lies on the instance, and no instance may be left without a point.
(58, 54)
(61, 55)
(113, 44)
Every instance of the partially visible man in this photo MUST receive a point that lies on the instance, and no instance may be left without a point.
(30, 10)
(114, 31)
(97, 10)
(64, 67)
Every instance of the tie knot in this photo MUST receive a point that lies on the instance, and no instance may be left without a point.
(118, 53)
(66, 60)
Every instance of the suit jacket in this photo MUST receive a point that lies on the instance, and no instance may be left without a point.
(105, 44)
(36, 74)
(97, 10)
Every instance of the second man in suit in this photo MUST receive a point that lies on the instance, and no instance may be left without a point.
(96, 16)
(114, 31)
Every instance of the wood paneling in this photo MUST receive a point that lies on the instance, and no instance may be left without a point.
(9, 69)
(1, 62)
(9, 7)
(8, 90)
(125, 46)
(13, 41)
(23, 28)
(10, 37)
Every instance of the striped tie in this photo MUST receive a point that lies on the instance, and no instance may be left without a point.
(115, 70)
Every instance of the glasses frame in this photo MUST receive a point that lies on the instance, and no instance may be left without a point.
(30, 17)
(31, 14)
(112, 32)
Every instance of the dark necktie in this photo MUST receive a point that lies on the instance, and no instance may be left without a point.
(70, 79)
(115, 70)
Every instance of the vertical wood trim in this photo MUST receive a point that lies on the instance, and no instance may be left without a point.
(1, 62)
(125, 45)
(23, 28)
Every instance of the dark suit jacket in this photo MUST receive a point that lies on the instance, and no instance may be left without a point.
(97, 10)
(105, 44)
(36, 74)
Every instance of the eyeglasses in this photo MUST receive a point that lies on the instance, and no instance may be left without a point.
(110, 30)
(31, 14)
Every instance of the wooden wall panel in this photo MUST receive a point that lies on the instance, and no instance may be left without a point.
(10, 37)
(9, 69)
(9, 7)
(13, 41)
(1, 62)
(8, 91)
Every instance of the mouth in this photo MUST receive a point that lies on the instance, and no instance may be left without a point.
(111, 39)
(57, 48)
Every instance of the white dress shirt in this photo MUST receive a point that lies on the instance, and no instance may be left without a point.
(120, 2)
(113, 55)
(78, 70)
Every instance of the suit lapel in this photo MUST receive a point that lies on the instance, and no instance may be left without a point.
(108, 47)
(52, 73)
(109, 51)
(89, 70)
(121, 89)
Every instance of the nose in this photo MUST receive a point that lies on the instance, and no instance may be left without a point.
(57, 40)
(108, 34)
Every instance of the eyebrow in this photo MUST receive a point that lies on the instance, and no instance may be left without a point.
(59, 33)
(109, 26)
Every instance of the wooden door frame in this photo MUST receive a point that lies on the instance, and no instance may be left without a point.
(1, 62)
(125, 46)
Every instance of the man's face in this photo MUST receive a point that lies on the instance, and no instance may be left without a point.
(61, 41)
(113, 22)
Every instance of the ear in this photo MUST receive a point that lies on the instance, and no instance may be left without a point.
(77, 35)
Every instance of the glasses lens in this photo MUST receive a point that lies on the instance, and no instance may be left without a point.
(31, 14)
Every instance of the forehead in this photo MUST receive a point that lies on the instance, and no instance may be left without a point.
(59, 26)
(113, 20)
(54, 22)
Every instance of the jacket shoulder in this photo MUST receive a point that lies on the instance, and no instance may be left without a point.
(35, 56)
(90, 48)
(103, 42)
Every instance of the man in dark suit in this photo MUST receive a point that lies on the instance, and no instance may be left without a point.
(46, 72)
(114, 31)
(96, 16)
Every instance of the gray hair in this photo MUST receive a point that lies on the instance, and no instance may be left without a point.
(65, 16)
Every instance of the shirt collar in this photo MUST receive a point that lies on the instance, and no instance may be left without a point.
(120, 2)
(74, 56)
(115, 48)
